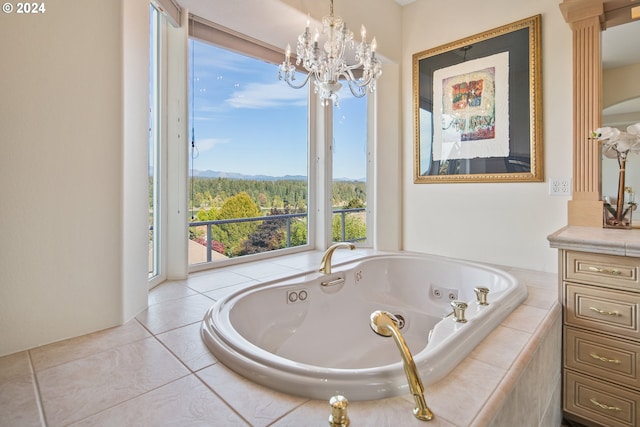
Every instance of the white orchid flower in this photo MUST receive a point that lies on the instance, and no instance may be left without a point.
(617, 144)
(634, 130)
(607, 133)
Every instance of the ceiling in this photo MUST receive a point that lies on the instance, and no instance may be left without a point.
(620, 45)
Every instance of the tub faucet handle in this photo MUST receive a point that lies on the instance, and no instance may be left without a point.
(481, 294)
(338, 417)
(458, 311)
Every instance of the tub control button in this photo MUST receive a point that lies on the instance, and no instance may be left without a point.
(297, 296)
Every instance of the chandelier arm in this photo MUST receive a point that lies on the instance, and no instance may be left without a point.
(301, 85)
(352, 80)
(354, 66)
(356, 90)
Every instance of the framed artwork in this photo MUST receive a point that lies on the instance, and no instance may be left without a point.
(477, 108)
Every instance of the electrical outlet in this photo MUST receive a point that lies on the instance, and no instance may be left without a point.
(560, 187)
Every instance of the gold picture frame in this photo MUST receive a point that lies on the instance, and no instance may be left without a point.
(484, 91)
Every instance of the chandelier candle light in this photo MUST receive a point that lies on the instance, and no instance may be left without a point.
(328, 64)
(618, 144)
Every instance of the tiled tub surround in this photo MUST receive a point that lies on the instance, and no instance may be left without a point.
(155, 370)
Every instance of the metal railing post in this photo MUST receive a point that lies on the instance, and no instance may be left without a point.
(209, 242)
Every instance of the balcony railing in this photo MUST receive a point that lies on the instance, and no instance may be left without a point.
(287, 217)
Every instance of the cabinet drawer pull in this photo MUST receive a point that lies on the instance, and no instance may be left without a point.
(606, 313)
(603, 406)
(604, 359)
(612, 272)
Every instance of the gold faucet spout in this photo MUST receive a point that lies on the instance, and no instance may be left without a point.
(325, 263)
(386, 324)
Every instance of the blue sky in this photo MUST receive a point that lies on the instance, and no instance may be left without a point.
(247, 121)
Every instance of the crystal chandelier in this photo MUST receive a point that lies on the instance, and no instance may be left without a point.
(323, 56)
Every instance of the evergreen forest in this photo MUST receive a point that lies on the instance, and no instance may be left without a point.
(215, 199)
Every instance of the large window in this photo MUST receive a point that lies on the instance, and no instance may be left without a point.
(350, 160)
(249, 152)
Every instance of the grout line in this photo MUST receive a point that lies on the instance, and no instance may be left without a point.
(36, 390)
(176, 356)
(195, 374)
(280, 418)
(115, 405)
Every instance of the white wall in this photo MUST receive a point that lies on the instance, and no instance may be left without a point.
(72, 128)
(501, 223)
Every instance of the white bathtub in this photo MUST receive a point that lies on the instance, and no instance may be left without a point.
(315, 341)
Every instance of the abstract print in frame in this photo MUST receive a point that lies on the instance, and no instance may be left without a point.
(477, 107)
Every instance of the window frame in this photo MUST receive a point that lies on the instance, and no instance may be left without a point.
(208, 32)
(320, 157)
(158, 127)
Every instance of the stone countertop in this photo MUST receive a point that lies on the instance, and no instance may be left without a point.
(598, 240)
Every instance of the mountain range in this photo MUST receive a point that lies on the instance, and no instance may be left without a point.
(233, 175)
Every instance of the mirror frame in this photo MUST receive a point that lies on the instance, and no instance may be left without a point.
(519, 109)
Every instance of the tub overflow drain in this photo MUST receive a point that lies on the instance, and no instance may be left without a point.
(400, 321)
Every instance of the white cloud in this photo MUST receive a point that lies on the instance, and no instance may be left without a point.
(206, 144)
(263, 95)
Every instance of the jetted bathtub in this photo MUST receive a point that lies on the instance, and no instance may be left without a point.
(310, 335)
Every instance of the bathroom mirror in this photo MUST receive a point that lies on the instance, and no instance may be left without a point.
(621, 98)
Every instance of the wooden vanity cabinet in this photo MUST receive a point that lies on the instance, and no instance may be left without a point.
(601, 338)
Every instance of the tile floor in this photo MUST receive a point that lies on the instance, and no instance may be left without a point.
(155, 370)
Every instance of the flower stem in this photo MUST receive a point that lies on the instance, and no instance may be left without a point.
(620, 204)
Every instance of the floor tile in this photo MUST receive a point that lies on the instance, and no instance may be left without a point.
(18, 397)
(187, 345)
(169, 291)
(215, 280)
(184, 402)
(76, 348)
(307, 261)
(83, 387)
(257, 404)
(217, 294)
(265, 270)
(173, 314)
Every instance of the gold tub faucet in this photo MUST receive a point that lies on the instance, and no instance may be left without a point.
(325, 263)
(386, 324)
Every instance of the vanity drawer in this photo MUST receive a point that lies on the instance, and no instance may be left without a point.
(604, 270)
(599, 402)
(604, 357)
(606, 310)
